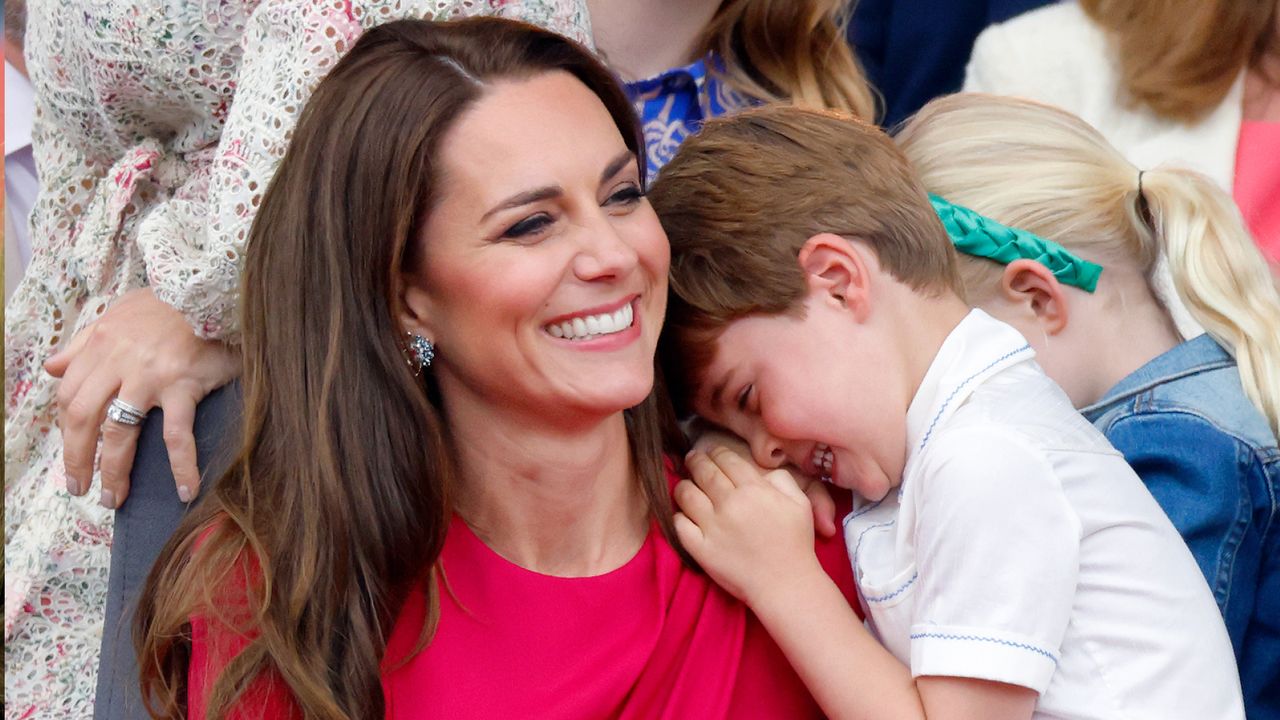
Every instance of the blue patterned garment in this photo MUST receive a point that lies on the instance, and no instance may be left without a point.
(673, 105)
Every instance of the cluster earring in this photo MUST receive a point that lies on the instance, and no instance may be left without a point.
(421, 353)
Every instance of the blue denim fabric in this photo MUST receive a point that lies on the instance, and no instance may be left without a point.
(1208, 456)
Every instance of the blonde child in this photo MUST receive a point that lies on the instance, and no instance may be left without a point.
(1010, 563)
(1197, 419)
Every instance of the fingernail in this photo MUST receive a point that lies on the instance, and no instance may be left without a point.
(73, 487)
(184, 493)
(108, 499)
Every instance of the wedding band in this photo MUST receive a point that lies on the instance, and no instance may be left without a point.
(124, 413)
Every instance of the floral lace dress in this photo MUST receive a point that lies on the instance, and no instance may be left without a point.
(158, 127)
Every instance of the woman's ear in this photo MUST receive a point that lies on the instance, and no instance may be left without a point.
(415, 307)
(839, 270)
(1030, 286)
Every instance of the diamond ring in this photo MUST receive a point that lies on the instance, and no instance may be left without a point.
(124, 413)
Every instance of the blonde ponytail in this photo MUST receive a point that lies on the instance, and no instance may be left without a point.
(1044, 170)
(1221, 276)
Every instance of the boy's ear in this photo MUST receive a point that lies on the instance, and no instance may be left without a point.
(415, 307)
(839, 269)
(1031, 286)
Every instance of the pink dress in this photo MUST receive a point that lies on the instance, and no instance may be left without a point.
(1257, 184)
(651, 639)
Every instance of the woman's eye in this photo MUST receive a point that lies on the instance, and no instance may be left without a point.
(527, 227)
(628, 195)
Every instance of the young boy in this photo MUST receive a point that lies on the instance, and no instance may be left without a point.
(1010, 563)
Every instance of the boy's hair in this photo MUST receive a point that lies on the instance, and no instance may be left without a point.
(742, 197)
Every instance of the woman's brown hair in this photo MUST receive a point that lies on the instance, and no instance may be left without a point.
(1179, 58)
(338, 504)
(791, 50)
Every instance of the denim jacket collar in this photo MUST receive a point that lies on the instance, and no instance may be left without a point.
(1197, 355)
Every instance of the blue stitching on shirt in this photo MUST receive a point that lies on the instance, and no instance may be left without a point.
(865, 510)
(895, 593)
(967, 380)
(858, 547)
(998, 641)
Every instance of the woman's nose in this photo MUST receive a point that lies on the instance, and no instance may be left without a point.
(605, 252)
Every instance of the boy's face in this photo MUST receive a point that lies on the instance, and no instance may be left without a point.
(817, 392)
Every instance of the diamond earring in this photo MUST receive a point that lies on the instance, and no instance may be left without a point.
(421, 353)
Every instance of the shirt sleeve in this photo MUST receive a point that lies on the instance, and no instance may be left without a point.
(997, 548)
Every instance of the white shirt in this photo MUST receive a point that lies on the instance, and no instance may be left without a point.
(1021, 548)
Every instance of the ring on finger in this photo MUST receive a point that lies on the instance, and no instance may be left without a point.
(122, 412)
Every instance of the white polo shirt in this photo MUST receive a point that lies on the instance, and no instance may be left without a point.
(1021, 548)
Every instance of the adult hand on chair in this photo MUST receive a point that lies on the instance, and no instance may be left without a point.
(139, 355)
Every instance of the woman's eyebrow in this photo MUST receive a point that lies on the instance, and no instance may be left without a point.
(550, 191)
(616, 165)
(525, 198)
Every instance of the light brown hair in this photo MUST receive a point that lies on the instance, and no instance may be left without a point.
(742, 197)
(793, 50)
(338, 504)
(1179, 58)
(1044, 170)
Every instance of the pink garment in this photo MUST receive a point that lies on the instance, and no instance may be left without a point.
(651, 639)
(1257, 184)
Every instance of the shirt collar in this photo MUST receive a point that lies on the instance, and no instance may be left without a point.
(977, 348)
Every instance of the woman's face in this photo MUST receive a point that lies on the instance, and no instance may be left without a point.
(543, 279)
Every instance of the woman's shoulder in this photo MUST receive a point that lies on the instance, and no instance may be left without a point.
(1061, 24)
(1042, 54)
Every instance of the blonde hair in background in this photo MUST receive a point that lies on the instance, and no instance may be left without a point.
(790, 50)
(1044, 170)
(1179, 58)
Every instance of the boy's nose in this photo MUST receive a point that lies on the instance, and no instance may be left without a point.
(767, 451)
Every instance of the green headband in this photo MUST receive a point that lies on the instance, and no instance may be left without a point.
(978, 235)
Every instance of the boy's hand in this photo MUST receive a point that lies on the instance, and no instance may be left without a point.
(752, 533)
(824, 506)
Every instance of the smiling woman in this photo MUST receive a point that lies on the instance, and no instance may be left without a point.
(481, 187)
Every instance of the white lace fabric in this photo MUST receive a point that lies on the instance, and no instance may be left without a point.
(158, 127)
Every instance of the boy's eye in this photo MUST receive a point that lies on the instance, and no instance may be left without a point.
(744, 397)
(528, 226)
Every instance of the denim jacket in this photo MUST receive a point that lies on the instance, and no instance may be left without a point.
(1210, 459)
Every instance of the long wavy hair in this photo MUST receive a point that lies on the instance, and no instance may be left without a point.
(338, 503)
(1179, 58)
(790, 50)
(1045, 170)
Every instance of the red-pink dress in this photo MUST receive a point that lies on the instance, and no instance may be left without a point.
(1257, 184)
(651, 639)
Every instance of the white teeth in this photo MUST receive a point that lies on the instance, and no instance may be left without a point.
(823, 459)
(583, 328)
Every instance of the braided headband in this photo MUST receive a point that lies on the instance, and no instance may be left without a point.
(979, 235)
